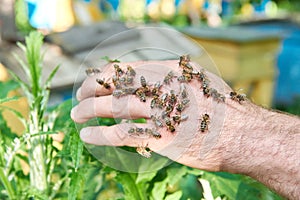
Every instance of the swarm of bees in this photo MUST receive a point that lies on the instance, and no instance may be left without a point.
(171, 105)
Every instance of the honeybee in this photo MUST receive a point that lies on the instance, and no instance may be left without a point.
(92, 71)
(185, 77)
(118, 93)
(206, 92)
(169, 125)
(204, 123)
(130, 71)
(237, 97)
(156, 121)
(141, 94)
(169, 108)
(216, 95)
(182, 104)
(155, 91)
(169, 77)
(143, 81)
(146, 89)
(142, 150)
(184, 59)
(119, 72)
(103, 83)
(205, 83)
(202, 75)
(129, 90)
(164, 98)
(179, 118)
(183, 91)
(154, 102)
(116, 82)
(173, 98)
(126, 80)
(136, 131)
(153, 133)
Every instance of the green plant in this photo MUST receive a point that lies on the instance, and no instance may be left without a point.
(64, 169)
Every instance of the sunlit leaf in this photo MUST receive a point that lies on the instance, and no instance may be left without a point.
(174, 196)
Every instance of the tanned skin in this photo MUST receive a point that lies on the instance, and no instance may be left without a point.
(241, 138)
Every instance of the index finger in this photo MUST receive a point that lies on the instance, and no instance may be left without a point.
(152, 70)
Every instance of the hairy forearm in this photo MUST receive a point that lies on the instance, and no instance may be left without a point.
(265, 146)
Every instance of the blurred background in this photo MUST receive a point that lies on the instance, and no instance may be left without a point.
(253, 43)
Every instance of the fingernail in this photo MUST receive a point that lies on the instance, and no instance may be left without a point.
(85, 134)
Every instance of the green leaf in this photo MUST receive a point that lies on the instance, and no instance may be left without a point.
(75, 184)
(7, 184)
(33, 47)
(110, 60)
(175, 174)
(6, 87)
(251, 189)
(159, 190)
(144, 177)
(50, 77)
(223, 183)
(21, 62)
(76, 148)
(131, 189)
(174, 196)
(25, 87)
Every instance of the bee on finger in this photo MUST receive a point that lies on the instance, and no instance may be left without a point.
(156, 89)
(169, 124)
(183, 91)
(237, 97)
(204, 123)
(184, 59)
(141, 94)
(216, 95)
(156, 121)
(146, 89)
(102, 82)
(130, 71)
(152, 132)
(92, 71)
(173, 98)
(179, 118)
(118, 71)
(116, 82)
(169, 78)
(135, 131)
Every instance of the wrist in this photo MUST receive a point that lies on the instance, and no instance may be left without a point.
(263, 146)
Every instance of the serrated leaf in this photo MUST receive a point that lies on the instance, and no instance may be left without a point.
(76, 148)
(75, 184)
(174, 196)
(7, 86)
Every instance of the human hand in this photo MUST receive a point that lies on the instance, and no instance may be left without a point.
(195, 142)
